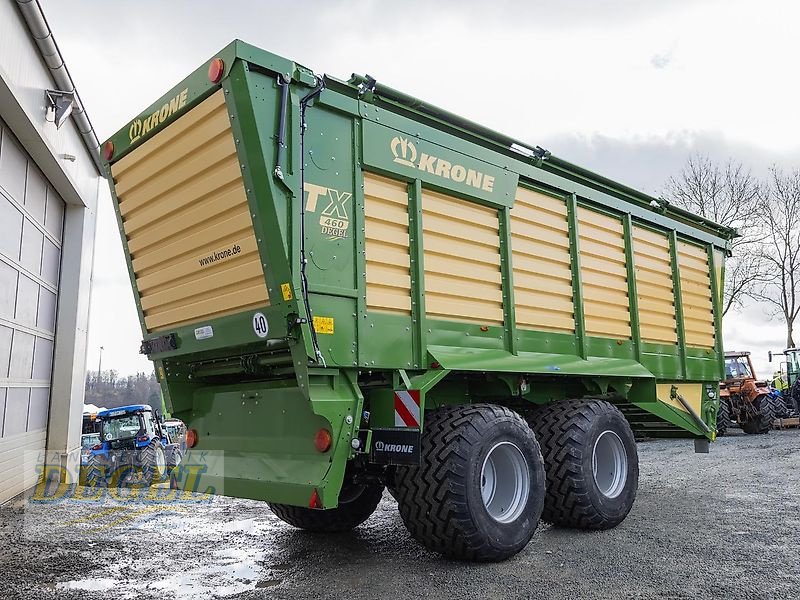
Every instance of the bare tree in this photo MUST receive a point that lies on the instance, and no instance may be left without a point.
(728, 195)
(778, 211)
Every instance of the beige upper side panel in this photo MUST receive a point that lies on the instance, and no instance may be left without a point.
(387, 245)
(187, 223)
(541, 262)
(604, 275)
(654, 286)
(461, 242)
(698, 308)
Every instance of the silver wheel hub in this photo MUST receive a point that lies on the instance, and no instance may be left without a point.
(505, 482)
(609, 464)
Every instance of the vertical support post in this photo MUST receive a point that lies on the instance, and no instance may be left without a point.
(633, 297)
(359, 225)
(507, 277)
(716, 294)
(577, 285)
(676, 286)
(417, 252)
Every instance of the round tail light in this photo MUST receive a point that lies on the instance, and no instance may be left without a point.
(108, 150)
(216, 69)
(191, 438)
(323, 440)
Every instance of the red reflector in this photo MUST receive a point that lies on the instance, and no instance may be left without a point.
(108, 150)
(323, 440)
(191, 438)
(314, 501)
(216, 69)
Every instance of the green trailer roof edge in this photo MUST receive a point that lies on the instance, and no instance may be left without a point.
(551, 162)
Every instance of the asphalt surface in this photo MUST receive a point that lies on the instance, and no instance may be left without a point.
(721, 525)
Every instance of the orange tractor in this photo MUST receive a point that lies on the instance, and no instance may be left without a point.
(744, 400)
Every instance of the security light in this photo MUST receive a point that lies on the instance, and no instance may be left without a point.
(60, 104)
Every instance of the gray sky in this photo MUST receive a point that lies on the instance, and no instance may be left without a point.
(628, 88)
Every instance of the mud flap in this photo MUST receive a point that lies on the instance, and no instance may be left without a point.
(396, 446)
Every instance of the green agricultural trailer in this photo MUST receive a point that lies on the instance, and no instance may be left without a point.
(345, 289)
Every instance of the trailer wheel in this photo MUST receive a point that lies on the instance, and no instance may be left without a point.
(763, 420)
(153, 463)
(723, 417)
(591, 460)
(356, 504)
(479, 492)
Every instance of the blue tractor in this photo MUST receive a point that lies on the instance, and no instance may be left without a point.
(134, 448)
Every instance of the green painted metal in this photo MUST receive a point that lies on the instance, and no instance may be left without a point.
(328, 358)
(633, 296)
(417, 262)
(678, 299)
(577, 286)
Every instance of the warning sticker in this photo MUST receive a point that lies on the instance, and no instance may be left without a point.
(323, 325)
(286, 290)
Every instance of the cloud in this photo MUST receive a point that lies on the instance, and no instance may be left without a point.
(588, 79)
(661, 61)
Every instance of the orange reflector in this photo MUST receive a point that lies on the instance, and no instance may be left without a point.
(323, 440)
(216, 69)
(314, 501)
(108, 150)
(191, 438)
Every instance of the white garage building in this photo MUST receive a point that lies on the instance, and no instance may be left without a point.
(49, 188)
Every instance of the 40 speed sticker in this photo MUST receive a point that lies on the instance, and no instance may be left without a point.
(260, 325)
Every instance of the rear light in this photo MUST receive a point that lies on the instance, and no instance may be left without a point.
(191, 438)
(323, 440)
(108, 150)
(216, 69)
(97, 447)
(142, 438)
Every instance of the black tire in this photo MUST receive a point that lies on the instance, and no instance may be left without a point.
(441, 502)
(568, 432)
(781, 406)
(762, 422)
(94, 474)
(173, 456)
(723, 417)
(794, 395)
(153, 463)
(356, 504)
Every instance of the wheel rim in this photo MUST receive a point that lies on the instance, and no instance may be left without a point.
(505, 482)
(609, 464)
(161, 461)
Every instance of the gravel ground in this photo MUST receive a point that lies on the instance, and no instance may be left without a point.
(720, 525)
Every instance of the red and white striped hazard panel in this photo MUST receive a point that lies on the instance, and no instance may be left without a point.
(406, 408)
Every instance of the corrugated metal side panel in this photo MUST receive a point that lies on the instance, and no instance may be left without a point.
(541, 262)
(461, 241)
(19, 457)
(387, 245)
(186, 219)
(698, 310)
(603, 274)
(654, 286)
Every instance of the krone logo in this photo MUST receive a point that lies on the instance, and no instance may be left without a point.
(135, 130)
(405, 152)
(379, 446)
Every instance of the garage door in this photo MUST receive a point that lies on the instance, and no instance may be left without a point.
(31, 220)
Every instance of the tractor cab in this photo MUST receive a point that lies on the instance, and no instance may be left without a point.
(787, 379)
(132, 426)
